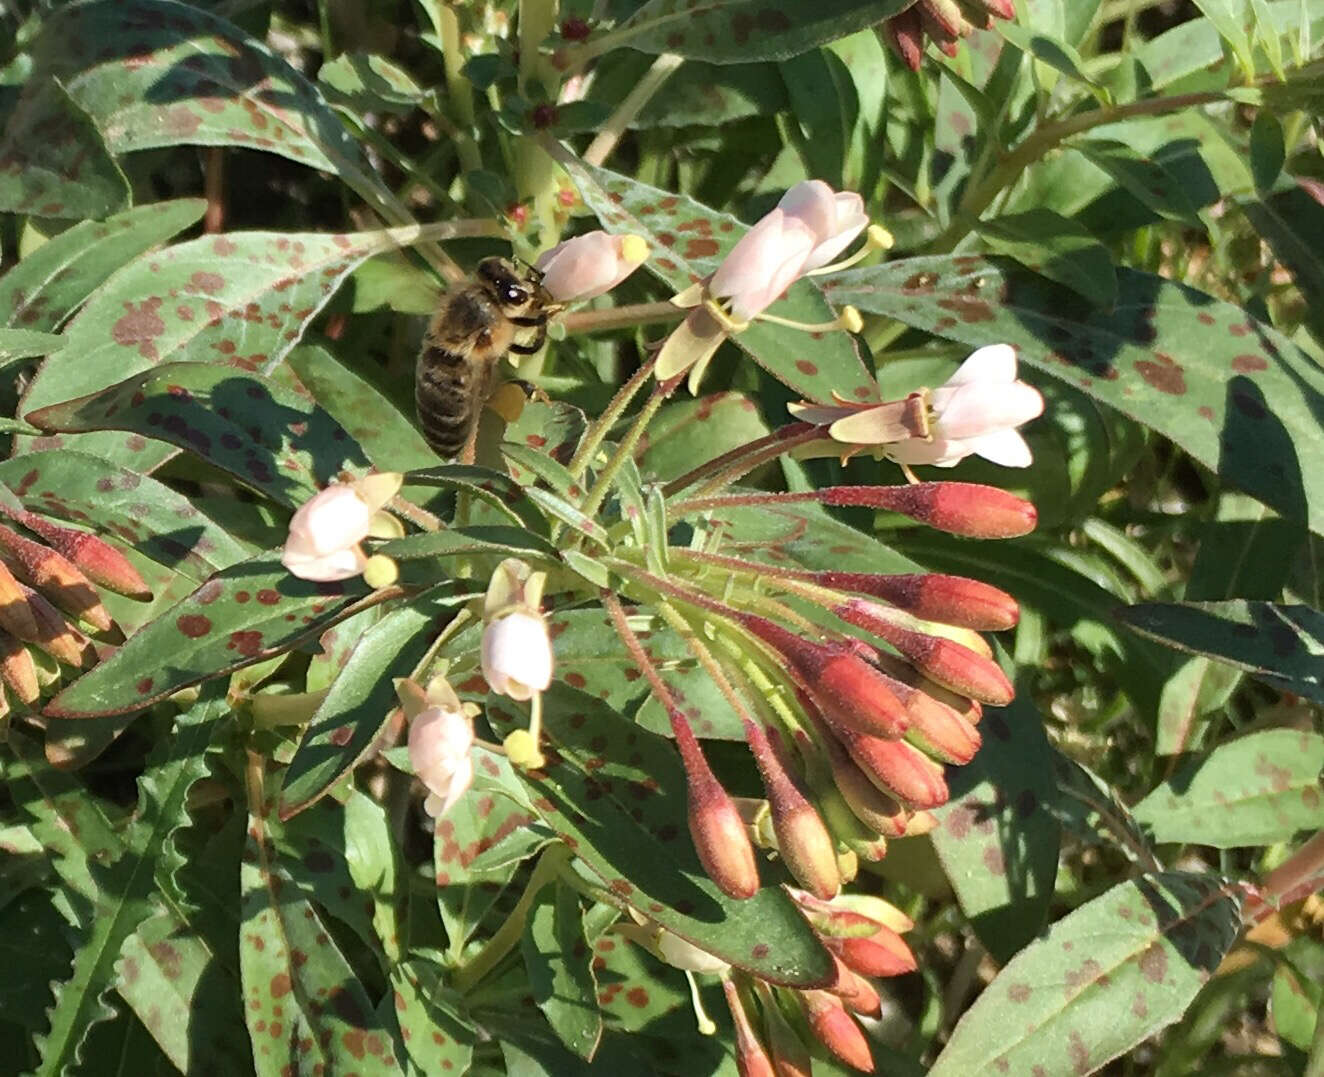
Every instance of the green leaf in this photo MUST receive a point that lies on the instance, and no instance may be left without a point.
(1276, 643)
(50, 282)
(364, 82)
(1104, 978)
(686, 432)
(497, 541)
(1046, 48)
(698, 93)
(1291, 221)
(53, 162)
(438, 1039)
(740, 31)
(1267, 151)
(998, 839)
(1147, 179)
(265, 435)
(306, 1010)
(243, 299)
(126, 887)
(1199, 371)
(19, 344)
(616, 794)
(1059, 248)
(240, 616)
(1256, 790)
(158, 73)
(688, 241)
(361, 699)
(557, 957)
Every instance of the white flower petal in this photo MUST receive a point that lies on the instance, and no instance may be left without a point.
(938, 452)
(991, 364)
(517, 655)
(1004, 447)
(338, 565)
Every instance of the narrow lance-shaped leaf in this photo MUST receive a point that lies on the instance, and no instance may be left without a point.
(1104, 978)
(557, 957)
(1233, 392)
(265, 435)
(1256, 790)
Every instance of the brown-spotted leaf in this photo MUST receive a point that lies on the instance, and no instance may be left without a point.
(742, 31)
(688, 240)
(248, 612)
(243, 299)
(616, 794)
(1232, 391)
(53, 162)
(1104, 978)
(267, 436)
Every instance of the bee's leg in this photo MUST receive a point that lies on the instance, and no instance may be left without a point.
(539, 339)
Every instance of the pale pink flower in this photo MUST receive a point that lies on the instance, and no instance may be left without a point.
(325, 533)
(591, 264)
(976, 411)
(763, 264)
(517, 654)
(835, 218)
(440, 738)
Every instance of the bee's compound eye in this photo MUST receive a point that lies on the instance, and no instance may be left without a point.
(513, 294)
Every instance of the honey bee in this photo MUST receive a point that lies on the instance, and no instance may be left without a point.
(504, 308)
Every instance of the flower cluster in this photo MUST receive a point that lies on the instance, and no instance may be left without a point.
(49, 576)
(944, 22)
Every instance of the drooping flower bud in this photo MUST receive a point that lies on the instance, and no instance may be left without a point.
(517, 655)
(590, 265)
(898, 769)
(882, 954)
(874, 808)
(16, 615)
(56, 577)
(940, 731)
(933, 596)
(836, 1029)
(55, 635)
(802, 839)
(718, 832)
(325, 532)
(904, 34)
(751, 1058)
(440, 738)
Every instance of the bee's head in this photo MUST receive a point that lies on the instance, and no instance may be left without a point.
(515, 290)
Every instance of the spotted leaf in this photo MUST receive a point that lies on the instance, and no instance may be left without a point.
(688, 241)
(997, 840)
(1233, 392)
(439, 1040)
(557, 958)
(248, 612)
(1256, 790)
(742, 31)
(615, 794)
(49, 283)
(359, 704)
(1104, 978)
(265, 435)
(688, 431)
(53, 162)
(244, 300)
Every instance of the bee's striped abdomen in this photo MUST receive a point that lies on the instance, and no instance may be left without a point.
(446, 392)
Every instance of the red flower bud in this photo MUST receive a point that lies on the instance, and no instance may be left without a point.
(16, 615)
(961, 508)
(884, 953)
(56, 576)
(802, 838)
(1003, 9)
(898, 768)
(952, 600)
(836, 1029)
(751, 1059)
(943, 19)
(847, 689)
(100, 562)
(17, 670)
(904, 34)
(718, 832)
(953, 665)
(790, 1057)
(869, 804)
(940, 731)
(575, 29)
(854, 990)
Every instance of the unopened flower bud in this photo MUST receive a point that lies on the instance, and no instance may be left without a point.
(945, 17)
(56, 577)
(17, 669)
(874, 808)
(16, 616)
(440, 739)
(751, 1058)
(325, 532)
(898, 769)
(932, 596)
(589, 265)
(836, 1029)
(882, 954)
(802, 839)
(55, 635)
(849, 691)
(718, 832)
(959, 508)
(904, 34)
(940, 731)
(99, 561)
(790, 1057)
(854, 990)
